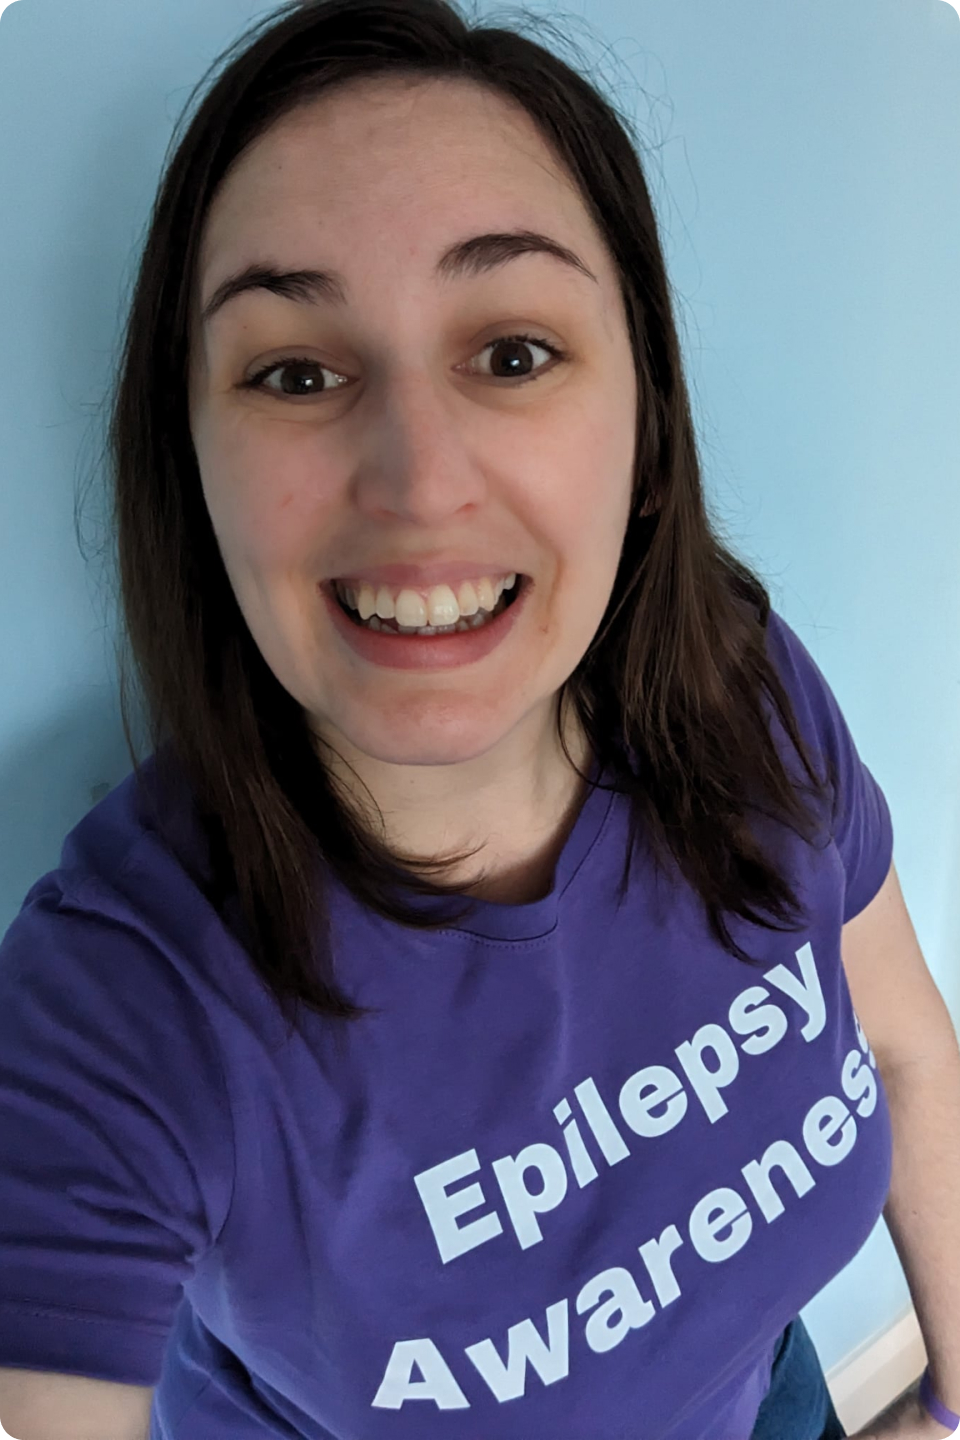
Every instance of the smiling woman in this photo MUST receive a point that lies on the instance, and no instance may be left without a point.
(480, 761)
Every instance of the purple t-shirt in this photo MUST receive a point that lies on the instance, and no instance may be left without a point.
(571, 1182)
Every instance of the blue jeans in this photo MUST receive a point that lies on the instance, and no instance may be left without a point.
(797, 1405)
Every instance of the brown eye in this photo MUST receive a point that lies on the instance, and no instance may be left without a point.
(512, 349)
(292, 362)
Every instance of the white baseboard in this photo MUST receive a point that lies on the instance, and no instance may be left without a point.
(877, 1372)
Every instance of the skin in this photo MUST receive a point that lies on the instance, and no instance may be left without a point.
(426, 452)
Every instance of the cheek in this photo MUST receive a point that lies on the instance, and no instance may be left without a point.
(589, 524)
(590, 508)
(258, 516)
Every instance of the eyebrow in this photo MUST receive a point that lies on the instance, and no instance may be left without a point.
(474, 256)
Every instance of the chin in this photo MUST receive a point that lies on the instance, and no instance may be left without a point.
(441, 738)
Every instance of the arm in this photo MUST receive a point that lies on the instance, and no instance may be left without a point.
(912, 1036)
(37, 1405)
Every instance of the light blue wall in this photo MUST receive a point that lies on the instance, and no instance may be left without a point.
(805, 168)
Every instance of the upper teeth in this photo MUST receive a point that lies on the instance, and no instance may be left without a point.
(439, 605)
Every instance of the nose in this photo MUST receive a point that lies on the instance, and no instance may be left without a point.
(416, 465)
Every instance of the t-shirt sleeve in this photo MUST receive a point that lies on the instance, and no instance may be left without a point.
(116, 1144)
(861, 824)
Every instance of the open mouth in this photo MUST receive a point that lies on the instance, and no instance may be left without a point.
(466, 622)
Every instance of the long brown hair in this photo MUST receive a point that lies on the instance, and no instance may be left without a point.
(670, 691)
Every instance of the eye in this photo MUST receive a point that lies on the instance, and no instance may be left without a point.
(512, 344)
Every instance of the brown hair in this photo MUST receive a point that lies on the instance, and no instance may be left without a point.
(670, 690)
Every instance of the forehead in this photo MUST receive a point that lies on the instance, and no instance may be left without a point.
(398, 157)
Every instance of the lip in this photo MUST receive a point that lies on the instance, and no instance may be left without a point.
(422, 577)
(423, 652)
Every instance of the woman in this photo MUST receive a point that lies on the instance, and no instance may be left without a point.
(381, 1060)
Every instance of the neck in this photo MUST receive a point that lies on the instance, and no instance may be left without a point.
(514, 806)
